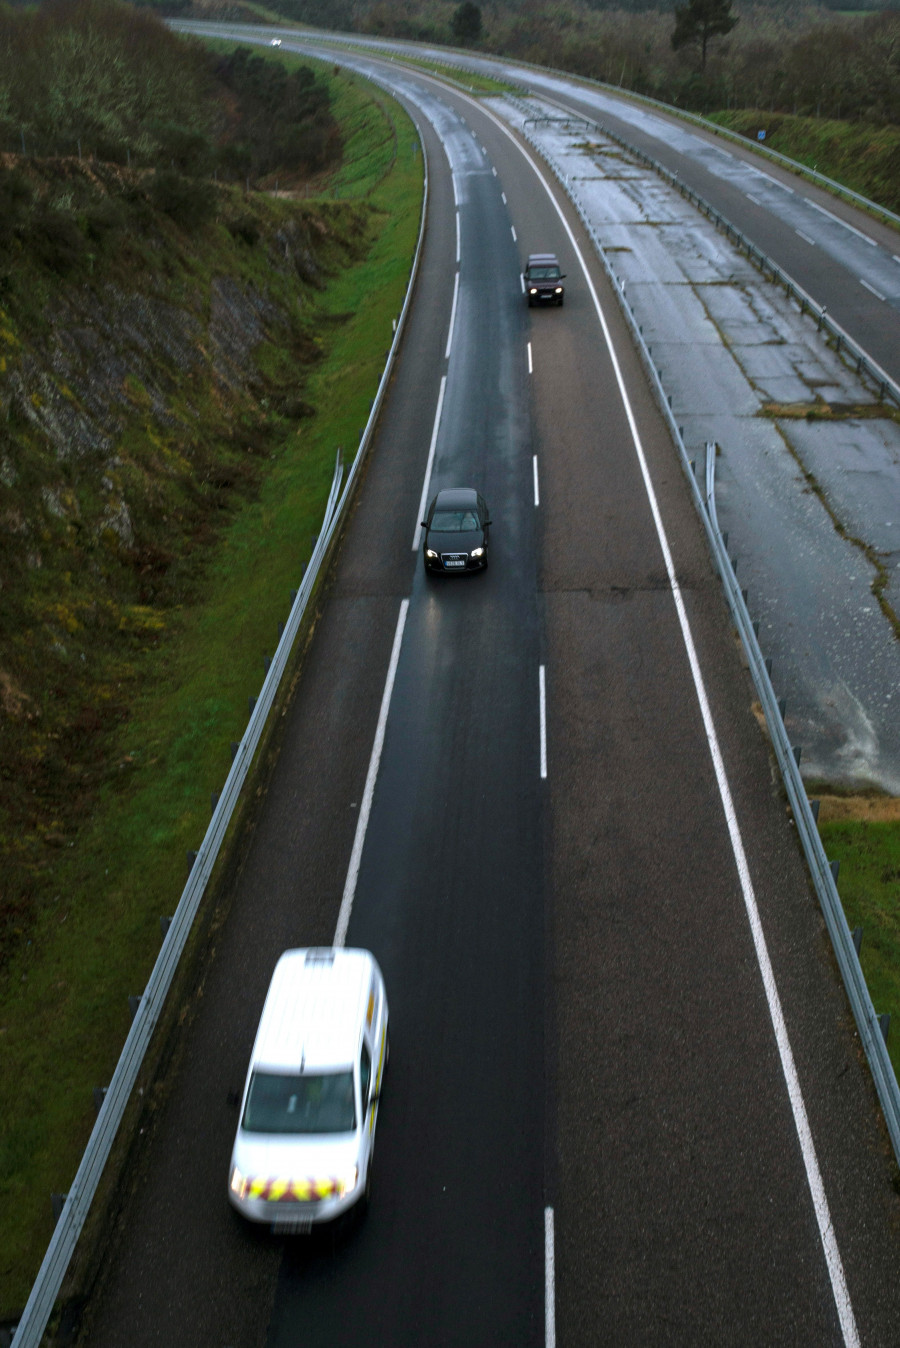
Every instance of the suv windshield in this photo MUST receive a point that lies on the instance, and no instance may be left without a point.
(454, 521)
(543, 273)
(311, 1103)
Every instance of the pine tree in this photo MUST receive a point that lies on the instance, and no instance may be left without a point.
(700, 20)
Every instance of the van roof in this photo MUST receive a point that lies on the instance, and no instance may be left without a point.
(314, 1009)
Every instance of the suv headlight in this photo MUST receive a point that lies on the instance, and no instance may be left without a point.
(239, 1183)
(348, 1183)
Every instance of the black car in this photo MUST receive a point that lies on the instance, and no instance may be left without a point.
(457, 529)
(544, 280)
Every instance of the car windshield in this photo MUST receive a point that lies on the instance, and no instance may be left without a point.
(278, 1102)
(454, 521)
(543, 273)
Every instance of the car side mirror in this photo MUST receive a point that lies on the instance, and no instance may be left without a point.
(562, 275)
(423, 523)
(487, 524)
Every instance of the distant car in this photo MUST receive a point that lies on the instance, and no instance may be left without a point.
(276, 42)
(457, 531)
(303, 1149)
(543, 279)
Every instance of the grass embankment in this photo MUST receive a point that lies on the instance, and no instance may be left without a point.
(94, 935)
(863, 834)
(863, 158)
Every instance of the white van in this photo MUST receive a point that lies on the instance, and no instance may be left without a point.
(303, 1150)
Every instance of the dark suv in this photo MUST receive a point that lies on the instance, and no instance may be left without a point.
(543, 279)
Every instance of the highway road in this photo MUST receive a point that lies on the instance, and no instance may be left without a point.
(625, 1102)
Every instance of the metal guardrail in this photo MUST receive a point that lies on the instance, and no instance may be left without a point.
(868, 1024)
(47, 1285)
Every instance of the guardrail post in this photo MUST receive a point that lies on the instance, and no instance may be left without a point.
(835, 868)
(191, 858)
(234, 748)
(57, 1203)
(782, 707)
(797, 751)
(884, 1023)
(99, 1097)
(251, 704)
(213, 801)
(814, 810)
(857, 940)
(133, 1006)
(164, 925)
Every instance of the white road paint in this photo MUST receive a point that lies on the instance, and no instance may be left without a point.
(537, 494)
(452, 316)
(530, 361)
(503, 197)
(777, 182)
(871, 289)
(423, 502)
(362, 823)
(542, 701)
(801, 1122)
(549, 1280)
(457, 239)
(513, 232)
(805, 238)
(838, 221)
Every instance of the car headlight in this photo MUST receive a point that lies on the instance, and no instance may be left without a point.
(348, 1184)
(239, 1183)
(430, 552)
(559, 290)
(478, 552)
(533, 290)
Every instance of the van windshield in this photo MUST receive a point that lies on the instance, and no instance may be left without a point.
(310, 1102)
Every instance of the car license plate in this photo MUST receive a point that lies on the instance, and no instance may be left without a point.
(454, 561)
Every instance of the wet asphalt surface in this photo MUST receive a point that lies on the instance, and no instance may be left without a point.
(578, 1018)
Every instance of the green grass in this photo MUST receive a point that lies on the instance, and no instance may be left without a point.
(63, 1004)
(863, 158)
(869, 885)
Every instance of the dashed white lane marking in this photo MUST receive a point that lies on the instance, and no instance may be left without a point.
(530, 362)
(549, 1280)
(872, 291)
(838, 221)
(537, 494)
(542, 700)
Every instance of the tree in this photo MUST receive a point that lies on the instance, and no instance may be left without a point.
(700, 20)
(466, 23)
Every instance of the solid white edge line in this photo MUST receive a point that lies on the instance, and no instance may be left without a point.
(549, 1280)
(801, 1122)
(362, 822)
(537, 494)
(457, 239)
(452, 316)
(542, 701)
(427, 480)
(530, 362)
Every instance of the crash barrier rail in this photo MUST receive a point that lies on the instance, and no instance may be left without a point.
(39, 1307)
(872, 1029)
